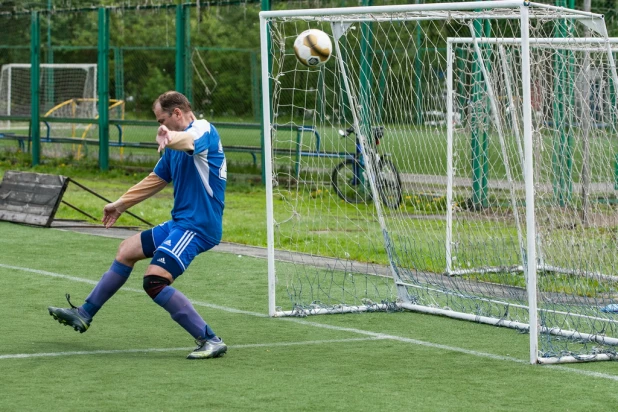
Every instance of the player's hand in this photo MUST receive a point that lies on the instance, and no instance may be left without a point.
(111, 213)
(164, 137)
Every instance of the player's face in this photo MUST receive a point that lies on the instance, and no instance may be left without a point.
(172, 121)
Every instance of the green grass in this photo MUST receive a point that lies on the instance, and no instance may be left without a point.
(131, 134)
(428, 363)
(340, 226)
(417, 149)
(243, 182)
(422, 150)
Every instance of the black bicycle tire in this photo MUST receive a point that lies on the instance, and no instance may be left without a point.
(399, 193)
(334, 181)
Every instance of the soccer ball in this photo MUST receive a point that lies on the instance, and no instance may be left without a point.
(313, 47)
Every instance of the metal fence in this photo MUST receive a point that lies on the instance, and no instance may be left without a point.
(207, 50)
(210, 53)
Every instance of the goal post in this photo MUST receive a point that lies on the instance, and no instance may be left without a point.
(508, 190)
(59, 83)
(550, 242)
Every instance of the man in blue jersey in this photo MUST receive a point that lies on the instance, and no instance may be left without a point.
(194, 162)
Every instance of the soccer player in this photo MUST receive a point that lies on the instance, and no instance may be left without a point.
(195, 163)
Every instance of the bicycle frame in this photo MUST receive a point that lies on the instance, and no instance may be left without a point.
(388, 184)
(359, 165)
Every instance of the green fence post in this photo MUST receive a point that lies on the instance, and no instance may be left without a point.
(181, 51)
(255, 86)
(35, 60)
(365, 76)
(265, 7)
(103, 88)
(461, 81)
(570, 142)
(119, 73)
(485, 146)
(188, 54)
(562, 150)
(49, 82)
(479, 138)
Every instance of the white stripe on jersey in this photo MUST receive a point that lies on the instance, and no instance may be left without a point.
(201, 163)
(198, 128)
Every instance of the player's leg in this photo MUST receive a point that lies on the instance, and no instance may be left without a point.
(129, 252)
(170, 260)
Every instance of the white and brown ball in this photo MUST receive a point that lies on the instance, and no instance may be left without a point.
(313, 47)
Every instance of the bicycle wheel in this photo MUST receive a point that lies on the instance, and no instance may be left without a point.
(389, 184)
(349, 182)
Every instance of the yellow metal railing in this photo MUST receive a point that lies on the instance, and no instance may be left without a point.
(114, 103)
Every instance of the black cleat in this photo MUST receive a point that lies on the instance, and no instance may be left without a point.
(70, 317)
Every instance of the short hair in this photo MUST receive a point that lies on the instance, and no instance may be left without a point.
(171, 100)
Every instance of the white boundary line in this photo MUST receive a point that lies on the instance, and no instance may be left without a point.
(370, 334)
(151, 350)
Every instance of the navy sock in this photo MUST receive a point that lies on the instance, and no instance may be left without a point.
(183, 312)
(110, 282)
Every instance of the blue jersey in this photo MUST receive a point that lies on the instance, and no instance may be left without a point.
(199, 179)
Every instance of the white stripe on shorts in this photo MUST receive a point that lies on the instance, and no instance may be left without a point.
(183, 243)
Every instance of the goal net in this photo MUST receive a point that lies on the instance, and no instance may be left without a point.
(66, 90)
(496, 124)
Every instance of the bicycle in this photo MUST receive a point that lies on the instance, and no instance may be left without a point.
(350, 179)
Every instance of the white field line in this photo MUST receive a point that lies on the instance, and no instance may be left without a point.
(151, 350)
(302, 321)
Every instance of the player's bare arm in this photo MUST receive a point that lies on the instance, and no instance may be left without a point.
(174, 140)
(148, 187)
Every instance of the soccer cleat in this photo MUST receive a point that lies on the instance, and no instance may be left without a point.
(70, 317)
(208, 349)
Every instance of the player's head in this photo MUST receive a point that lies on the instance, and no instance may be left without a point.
(173, 110)
(172, 100)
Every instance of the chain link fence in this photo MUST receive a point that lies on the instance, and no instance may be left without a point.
(209, 51)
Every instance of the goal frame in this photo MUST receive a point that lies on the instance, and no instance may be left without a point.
(604, 45)
(520, 11)
(84, 66)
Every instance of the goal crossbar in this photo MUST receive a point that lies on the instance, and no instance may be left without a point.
(52, 65)
(441, 11)
(58, 81)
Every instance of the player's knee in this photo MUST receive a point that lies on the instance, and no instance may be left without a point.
(129, 251)
(153, 285)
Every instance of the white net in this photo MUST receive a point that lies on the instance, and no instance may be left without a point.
(66, 91)
(574, 181)
(433, 217)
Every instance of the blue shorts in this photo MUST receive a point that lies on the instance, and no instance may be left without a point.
(172, 248)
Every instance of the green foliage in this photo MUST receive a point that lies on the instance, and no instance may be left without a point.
(156, 83)
(424, 203)
(226, 36)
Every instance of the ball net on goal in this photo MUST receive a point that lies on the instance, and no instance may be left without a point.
(496, 124)
(66, 91)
